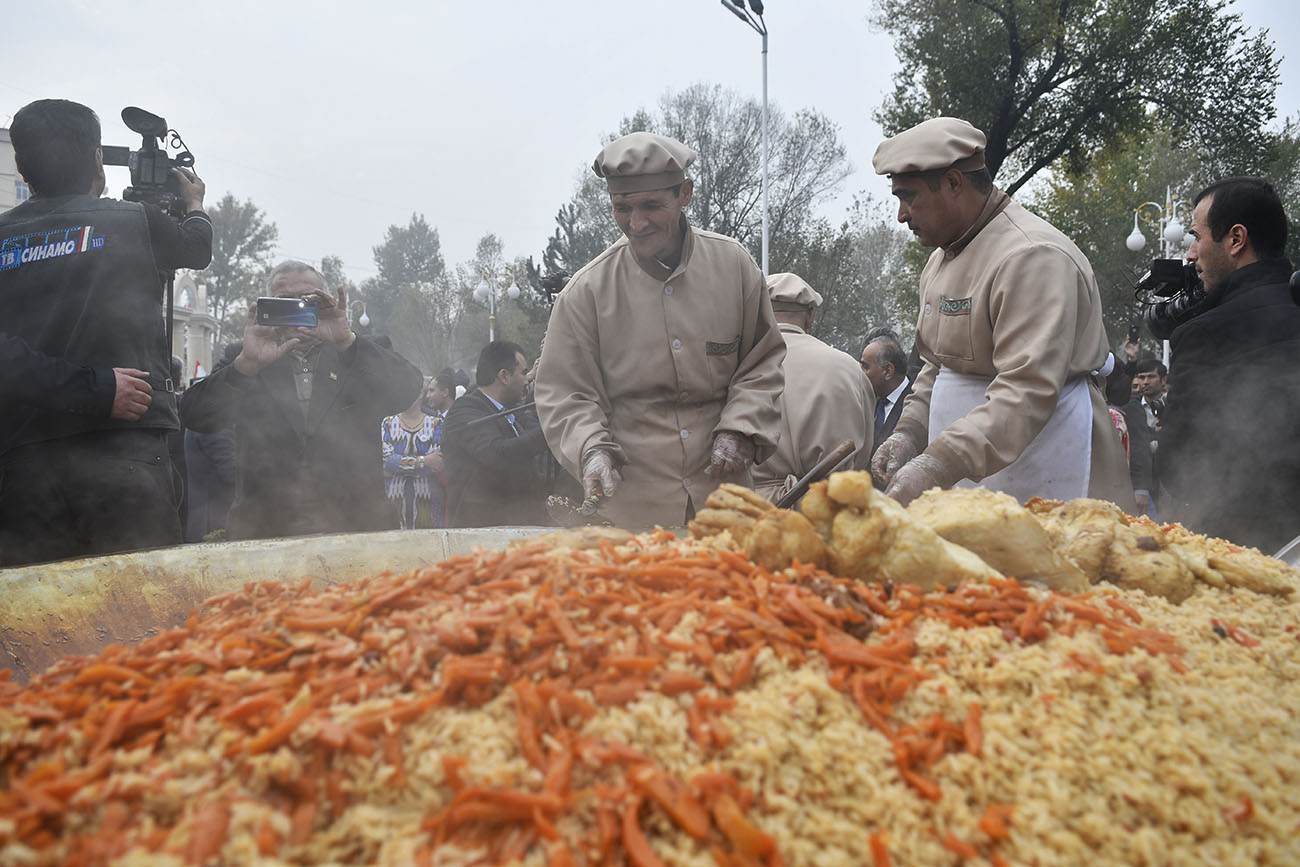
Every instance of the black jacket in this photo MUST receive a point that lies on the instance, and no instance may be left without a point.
(1229, 454)
(334, 456)
(493, 472)
(891, 420)
(80, 294)
(1140, 459)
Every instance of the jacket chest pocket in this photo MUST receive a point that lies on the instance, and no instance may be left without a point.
(721, 357)
(954, 338)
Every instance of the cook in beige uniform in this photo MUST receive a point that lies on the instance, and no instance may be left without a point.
(1011, 333)
(826, 397)
(661, 371)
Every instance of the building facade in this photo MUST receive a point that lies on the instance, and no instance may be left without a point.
(12, 188)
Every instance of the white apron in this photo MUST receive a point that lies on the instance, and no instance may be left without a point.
(1055, 465)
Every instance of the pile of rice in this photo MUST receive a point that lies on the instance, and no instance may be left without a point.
(1187, 755)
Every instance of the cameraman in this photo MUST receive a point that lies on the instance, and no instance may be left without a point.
(1228, 456)
(84, 403)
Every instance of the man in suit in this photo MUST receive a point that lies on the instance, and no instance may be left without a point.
(491, 453)
(885, 364)
(305, 403)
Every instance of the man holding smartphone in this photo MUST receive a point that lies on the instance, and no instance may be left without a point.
(305, 402)
(85, 406)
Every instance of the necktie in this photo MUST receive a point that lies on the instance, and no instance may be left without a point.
(882, 407)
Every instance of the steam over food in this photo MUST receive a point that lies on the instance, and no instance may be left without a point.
(597, 698)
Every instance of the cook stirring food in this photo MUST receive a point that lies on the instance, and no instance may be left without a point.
(1011, 333)
(661, 369)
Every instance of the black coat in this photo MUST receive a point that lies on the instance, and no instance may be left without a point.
(209, 481)
(493, 474)
(336, 451)
(1229, 454)
(1140, 458)
(891, 420)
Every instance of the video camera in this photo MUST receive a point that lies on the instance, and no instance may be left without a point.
(1181, 288)
(151, 177)
(554, 283)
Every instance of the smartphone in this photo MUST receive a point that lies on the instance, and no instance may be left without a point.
(287, 312)
(1134, 332)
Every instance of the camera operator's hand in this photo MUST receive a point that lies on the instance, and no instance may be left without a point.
(262, 346)
(133, 394)
(1132, 349)
(331, 321)
(192, 188)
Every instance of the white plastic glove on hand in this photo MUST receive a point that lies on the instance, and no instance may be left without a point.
(896, 450)
(732, 453)
(599, 477)
(917, 476)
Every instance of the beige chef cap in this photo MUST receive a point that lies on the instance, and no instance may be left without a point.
(643, 161)
(791, 290)
(934, 145)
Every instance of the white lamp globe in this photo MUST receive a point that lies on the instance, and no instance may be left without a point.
(1174, 232)
(1135, 241)
(513, 291)
(365, 318)
(481, 291)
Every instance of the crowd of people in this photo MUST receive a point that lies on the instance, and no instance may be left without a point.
(671, 364)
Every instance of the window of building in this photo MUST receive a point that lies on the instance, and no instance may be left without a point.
(21, 192)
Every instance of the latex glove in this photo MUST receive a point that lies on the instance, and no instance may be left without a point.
(599, 477)
(917, 476)
(732, 453)
(894, 452)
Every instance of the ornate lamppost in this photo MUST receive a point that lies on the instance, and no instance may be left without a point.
(1170, 232)
(487, 291)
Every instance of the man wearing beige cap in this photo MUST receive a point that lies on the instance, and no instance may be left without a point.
(1011, 334)
(661, 369)
(826, 398)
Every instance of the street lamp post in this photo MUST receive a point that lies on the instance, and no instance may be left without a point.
(363, 320)
(737, 8)
(1170, 233)
(487, 291)
(1173, 237)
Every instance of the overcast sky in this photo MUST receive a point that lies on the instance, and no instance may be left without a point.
(339, 119)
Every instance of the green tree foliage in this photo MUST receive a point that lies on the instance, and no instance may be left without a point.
(243, 251)
(522, 320)
(332, 273)
(1096, 208)
(863, 274)
(1283, 169)
(1056, 82)
(584, 227)
(410, 298)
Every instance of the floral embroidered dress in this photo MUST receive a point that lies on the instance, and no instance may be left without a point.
(415, 489)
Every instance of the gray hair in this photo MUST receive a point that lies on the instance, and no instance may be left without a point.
(891, 352)
(292, 266)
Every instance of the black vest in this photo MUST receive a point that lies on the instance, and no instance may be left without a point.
(78, 281)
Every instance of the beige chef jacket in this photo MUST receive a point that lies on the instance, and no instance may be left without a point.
(649, 363)
(827, 399)
(1014, 300)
